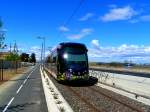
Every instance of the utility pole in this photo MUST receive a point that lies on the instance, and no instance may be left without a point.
(42, 53)
(14, 47)
(2, 37)
(10, 47)
(43, 49)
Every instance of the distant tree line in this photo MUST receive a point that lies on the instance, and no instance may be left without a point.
(24, 57)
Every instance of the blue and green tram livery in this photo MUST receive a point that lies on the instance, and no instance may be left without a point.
(68, 62)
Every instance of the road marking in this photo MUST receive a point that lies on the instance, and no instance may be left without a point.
(28, 76)
(31, 73)
(9, 103)
(5, 109)
(19, 89)
(25, 81)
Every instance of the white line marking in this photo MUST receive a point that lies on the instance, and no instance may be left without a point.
(5, 109)
(19, 89)
(31, 73)
(28, 77)
(25, 81)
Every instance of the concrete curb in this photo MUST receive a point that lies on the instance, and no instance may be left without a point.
(55, 101)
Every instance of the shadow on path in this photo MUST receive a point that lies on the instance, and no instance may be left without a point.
(17, 108)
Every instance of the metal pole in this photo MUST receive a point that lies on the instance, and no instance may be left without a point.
(10, 47)
(44, 50)
(16, 66)
(42, 54)
(2, 70)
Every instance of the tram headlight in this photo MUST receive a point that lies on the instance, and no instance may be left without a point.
(65, 55)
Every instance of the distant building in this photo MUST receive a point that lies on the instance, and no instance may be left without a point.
(3, 55)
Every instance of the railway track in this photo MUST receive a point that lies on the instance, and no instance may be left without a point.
(117, 100)
(85, 98)
(92, 107)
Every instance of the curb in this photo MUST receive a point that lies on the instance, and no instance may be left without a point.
(54, 99)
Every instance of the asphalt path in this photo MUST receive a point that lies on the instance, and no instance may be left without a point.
(23, 94)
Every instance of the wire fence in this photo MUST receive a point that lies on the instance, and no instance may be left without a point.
(10, 68)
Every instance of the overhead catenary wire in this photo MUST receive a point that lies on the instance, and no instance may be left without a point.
(71, 16)
(74, 12)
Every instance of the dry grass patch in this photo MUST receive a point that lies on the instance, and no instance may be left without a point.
(10, 73)
(131, 69)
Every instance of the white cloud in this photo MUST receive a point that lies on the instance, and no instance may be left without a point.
(134, 21)
(123, 52)
(115, 14)
(33, 49)
(86, 17)
(147, 49)
(36, 50)
(63, 29)
(84, 32)
(95, 43)
(145, 18)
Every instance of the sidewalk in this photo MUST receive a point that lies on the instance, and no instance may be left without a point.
(12, 77)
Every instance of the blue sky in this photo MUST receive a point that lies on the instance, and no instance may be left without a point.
(112, 30)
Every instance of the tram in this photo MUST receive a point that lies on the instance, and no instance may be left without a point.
(68, 62)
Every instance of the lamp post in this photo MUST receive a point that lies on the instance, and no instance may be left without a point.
(43, 49)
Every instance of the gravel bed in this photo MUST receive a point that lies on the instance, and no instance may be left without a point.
(76, 103)
(102, 103)
(121, 98)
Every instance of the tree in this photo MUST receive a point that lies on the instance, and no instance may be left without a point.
(33, 58)
(2, 36)
(24, 57)
(13, 57)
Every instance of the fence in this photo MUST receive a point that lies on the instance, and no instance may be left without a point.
(132, 84)
(6, 66)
